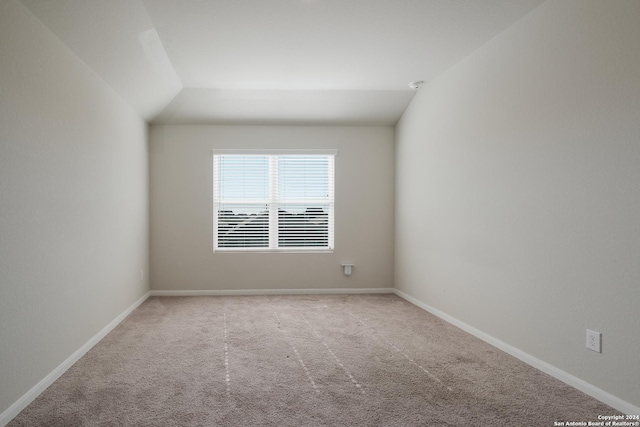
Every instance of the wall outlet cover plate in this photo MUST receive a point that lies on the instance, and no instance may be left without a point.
(593, 340)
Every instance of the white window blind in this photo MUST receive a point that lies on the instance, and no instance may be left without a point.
(273, 202)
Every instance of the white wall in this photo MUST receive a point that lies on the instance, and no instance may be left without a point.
(518, 190)
(181, 177)
(73, 203)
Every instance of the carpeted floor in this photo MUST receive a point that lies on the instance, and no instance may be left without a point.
(340, 360)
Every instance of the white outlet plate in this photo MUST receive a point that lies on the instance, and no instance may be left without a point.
(593, 341)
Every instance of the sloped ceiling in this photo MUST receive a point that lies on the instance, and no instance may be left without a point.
(273, 61)
(118, 40)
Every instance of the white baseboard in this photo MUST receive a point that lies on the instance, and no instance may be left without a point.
(585, 387)
(323, 291)
(13, 410)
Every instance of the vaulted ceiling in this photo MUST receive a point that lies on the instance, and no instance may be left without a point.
(273, 61)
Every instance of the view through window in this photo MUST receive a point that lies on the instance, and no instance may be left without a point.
(274, 202)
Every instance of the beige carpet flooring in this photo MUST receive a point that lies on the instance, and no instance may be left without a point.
(339, 360)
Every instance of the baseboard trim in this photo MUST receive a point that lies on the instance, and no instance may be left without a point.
(316, 291)
(12, 411)
(575, 382)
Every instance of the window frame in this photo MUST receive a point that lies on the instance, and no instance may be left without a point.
(273, 202)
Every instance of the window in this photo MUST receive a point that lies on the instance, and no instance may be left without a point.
(273, 201)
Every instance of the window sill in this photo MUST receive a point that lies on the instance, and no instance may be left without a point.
(272, 251)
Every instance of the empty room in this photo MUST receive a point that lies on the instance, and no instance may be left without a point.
(319, 213)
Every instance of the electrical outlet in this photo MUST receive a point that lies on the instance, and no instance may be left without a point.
(593, 341)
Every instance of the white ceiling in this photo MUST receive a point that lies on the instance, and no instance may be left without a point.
(273, 61)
